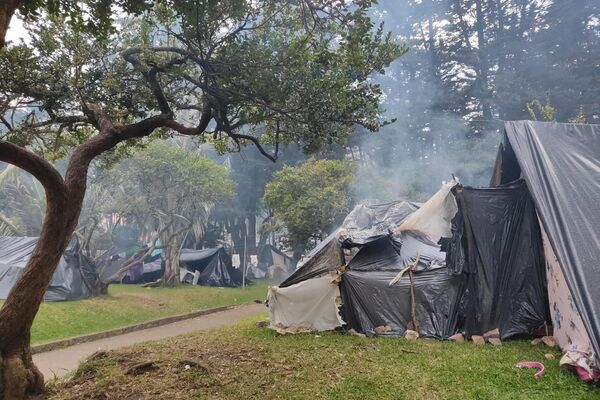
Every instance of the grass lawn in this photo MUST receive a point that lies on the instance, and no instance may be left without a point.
(248, 362)
(130, 304)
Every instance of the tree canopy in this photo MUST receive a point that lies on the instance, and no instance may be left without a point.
(311, 199)
(234, 72)
(165, 185)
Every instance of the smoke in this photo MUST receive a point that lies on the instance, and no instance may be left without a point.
(410, 158)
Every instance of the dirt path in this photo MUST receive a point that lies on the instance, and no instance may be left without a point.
(60, 362)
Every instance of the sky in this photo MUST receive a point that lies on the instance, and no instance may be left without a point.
(16, 30)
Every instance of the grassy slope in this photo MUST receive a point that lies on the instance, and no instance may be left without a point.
(129, 304)
(246, 362)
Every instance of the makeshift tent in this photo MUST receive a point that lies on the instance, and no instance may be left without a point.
(112, 260)
(519, 257)
(560, 164)
(74, 278)
(210, 267)
(377, 262)
(416, 272)
(272, 264)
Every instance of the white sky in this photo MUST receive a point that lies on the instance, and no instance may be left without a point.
(16, 30)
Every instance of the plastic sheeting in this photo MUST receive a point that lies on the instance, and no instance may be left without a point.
(326, 257)
(561, 165)
(434, 217)
(214, 266)
(69, 279)
(306, 306)
(369, 301)
(506, 286)
(272, 263)
(366, 224)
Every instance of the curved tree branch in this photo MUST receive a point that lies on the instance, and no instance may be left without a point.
(41, 169)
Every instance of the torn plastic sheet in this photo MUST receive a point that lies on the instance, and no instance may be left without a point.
(306, 306)
(366, 224)
(326, 257)
(434, 217)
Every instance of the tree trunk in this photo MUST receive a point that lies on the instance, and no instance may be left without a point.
(20, 376)
(171, 277)
(251, 236)
(7, 9)
(483, 89)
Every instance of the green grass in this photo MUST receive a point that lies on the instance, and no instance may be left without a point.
(130, 304)
(247, 362)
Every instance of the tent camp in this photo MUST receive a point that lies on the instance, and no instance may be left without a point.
(209, 267)
(112, 260)
(273, 264)
(74, 278)
(520, 256)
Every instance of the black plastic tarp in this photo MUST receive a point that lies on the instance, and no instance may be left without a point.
(561, 165)
(504, 264)
(325, 257)
(363, 225)
(369, 301)
(69, 279)
(214, 266)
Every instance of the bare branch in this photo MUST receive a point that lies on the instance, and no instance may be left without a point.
(237, 136)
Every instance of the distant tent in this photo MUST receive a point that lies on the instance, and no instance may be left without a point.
(74, 278)
(112, 260)
(272, 264)
(210, 267)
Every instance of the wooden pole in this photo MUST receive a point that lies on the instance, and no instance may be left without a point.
(244, 265)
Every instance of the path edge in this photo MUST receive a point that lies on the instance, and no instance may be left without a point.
(90, 337)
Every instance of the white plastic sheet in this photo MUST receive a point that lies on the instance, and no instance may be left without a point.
(306, 306)
(434, 218)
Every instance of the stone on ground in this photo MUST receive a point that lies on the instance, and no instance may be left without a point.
(457, 338)
(478, 340)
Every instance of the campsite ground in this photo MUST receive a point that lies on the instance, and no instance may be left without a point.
(130, 304)
(245, 362)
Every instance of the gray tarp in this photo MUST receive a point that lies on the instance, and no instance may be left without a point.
(561, 165)
(214, 266)
(68, 281)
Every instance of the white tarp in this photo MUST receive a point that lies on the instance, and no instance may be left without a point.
(434, 218)
(306, 306)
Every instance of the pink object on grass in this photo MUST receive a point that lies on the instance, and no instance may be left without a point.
(533, 364)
